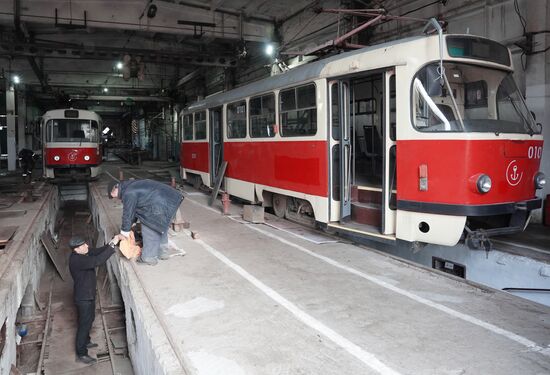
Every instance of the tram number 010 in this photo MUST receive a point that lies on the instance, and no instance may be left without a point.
(534, 152)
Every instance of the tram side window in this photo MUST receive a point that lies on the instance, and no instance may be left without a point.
(200, 125)
(298, 111)
(262, 116)
(236, 120)
(187, 127)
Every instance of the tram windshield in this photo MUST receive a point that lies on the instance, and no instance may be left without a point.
(469, 98)
(72, 130)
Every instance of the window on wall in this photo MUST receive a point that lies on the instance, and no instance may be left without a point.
(200, 125)
(298, 111)
(236, 120)
(262, 116)
(187, 127)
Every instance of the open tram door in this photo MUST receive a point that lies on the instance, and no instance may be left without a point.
(216, 143)
(362, 153)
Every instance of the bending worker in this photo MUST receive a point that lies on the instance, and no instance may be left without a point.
(154, 204)
(82, 264)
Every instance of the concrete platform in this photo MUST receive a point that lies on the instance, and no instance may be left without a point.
(23, 260)
(251, 299)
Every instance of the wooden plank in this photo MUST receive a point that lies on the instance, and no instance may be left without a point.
(6, 233)
(59, 260)
(218, 183)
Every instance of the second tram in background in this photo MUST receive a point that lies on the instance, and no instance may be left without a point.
(71, 144)
(426, 139)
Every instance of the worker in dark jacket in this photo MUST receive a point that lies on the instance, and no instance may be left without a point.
(154, 204)
(27, 159)
(82, 264)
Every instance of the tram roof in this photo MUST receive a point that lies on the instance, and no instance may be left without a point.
(299, 74)
(82, 113)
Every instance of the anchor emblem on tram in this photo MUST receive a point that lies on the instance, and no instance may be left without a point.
(512, 175)
(73, 155)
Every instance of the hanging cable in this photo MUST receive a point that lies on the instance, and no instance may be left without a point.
(521, 19)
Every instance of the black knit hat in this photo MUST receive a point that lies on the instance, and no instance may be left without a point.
(112, 184)
(76, 242)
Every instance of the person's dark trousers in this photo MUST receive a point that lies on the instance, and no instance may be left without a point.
(86, 315)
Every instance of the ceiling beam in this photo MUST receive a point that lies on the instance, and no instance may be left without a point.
(74, 51)
(125, 15)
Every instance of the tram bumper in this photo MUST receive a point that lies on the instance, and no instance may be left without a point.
(447, 224)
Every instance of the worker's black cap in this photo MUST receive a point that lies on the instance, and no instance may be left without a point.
(112, 184)
(76, 242)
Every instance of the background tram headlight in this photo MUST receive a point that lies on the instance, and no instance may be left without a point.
(540, 180)
(56, 158)
(484, 183)
(86, 157)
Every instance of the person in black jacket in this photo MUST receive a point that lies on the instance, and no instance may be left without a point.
(82, 264)
(27, 158)
(154, 204)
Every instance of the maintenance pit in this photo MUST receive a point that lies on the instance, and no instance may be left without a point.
(37, 308)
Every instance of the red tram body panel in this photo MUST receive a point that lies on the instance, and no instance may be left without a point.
(72, 156)
(296, 165)
(451, 165)
(194, 156)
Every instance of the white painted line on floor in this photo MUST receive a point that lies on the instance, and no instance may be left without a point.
(367, 358)
(468, 318)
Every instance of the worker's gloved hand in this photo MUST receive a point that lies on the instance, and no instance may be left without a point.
(116, 239)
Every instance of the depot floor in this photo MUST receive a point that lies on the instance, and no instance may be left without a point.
(253, 299)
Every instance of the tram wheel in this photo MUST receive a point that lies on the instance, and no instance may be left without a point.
(279, 205)
(197, 182)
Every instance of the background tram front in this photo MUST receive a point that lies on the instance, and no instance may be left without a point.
(71, 144)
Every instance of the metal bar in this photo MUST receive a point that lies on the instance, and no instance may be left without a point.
(372, 13)
(106, 330)
(195, 23)
(353, 45)
(355, 12)
(46, 329)
(339, 40)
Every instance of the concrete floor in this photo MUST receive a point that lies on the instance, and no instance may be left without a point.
(251, 299)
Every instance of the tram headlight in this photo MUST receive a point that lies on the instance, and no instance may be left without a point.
(56, 158)
(86, 157)
(540, 180)
(484, 183)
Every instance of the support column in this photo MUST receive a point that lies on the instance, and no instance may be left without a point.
(21, 121)
(537, 81)
(10, 122)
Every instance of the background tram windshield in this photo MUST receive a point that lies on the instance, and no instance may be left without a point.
(72, 130)
(470, 98)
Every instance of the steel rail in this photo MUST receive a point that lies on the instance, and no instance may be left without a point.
(106, 331)
(46, 329)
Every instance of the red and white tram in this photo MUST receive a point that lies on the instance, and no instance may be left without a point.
(71, 144)
(424, 139)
